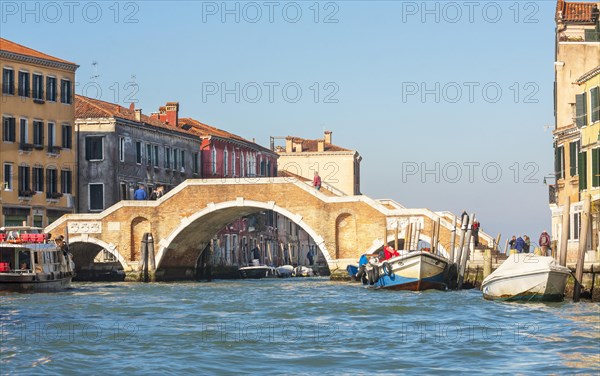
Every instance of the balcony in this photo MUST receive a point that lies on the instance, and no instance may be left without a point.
(23, 146)
(38, 146)
(26, 193)
(53, 195)
(54, 149)
(38, 101)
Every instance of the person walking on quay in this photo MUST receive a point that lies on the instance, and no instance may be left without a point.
(140, 193)
(526, 244)
(317, 181)
(544, 242)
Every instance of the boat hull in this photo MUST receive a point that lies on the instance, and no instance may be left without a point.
(541, 286)
(28, 283)
(416, 271)
(257, 272)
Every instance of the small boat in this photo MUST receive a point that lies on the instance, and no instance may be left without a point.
(352, 271)
(30, 261)
(525, 276)
(410, 270)
(303, 271)
(285, 271)
(257, 271)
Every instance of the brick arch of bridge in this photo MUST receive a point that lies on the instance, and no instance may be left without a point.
(183, 247)
(91, 247)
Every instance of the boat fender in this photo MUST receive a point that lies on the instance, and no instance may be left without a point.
(361, 272)
(387, 268)
(375, 274)
(370, 277)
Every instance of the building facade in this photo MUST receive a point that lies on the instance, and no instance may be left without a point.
(121, 148)
(588, 116)
(38, 148)
(577, 52)
(338, 167)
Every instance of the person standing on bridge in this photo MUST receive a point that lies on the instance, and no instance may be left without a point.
(317, 181)
(140, 193)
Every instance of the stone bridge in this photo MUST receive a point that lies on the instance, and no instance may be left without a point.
(184, 221)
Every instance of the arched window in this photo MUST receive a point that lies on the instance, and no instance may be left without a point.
(214, 160)
(225, 161)
(233, 162)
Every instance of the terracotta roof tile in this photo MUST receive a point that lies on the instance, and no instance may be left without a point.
(6, 45)
(312, 145)
(587, 75)
(86, 107)
(575, 11)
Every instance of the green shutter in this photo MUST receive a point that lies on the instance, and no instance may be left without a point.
(558, 162)
(582, 171)
(573, 158)
(596, 167)
(595, 104)
(581, 110)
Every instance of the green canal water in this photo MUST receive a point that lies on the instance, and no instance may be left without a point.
(292, 326)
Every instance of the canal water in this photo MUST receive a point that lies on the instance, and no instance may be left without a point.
(292, 326)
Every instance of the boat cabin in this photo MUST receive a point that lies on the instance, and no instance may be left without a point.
(28, 250)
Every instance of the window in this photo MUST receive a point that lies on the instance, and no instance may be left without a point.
(573, 153)
(51, 181)
(155, 159)
(23, 131)
(24, 176)
(51, 89)
(148, 154)
(175, 159)
(121, 149)
(8, 129)
(94, 148)
(38, 87)
(225, 161)
(167, 157)
(38, 132)
(67, 136)
(581, 110)
(8, 173)
(582, 170)
(8, 81)
(596, 167)
(50, 136)
(242, 164)
(138, 152)
(24, 84)
(65, 91)
(233, 163)
(196, 167)
(66, 179)
(38, 179)
(96, 196)
(214, 160)
(182, 160)
(595, 104)
(559, 162)
(575, 226)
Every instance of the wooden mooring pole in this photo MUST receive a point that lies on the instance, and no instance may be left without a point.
(452, 240)
(583, 235)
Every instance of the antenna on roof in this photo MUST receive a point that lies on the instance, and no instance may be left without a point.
(96, 75)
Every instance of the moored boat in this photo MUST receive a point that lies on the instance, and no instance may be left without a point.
(527, 277)
(410, 270)
(303, 271)
(257, 271)
(30, 261)
(285, 271)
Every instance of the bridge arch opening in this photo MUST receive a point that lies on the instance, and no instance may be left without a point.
(180, 254)
(139, 226)
(95, 260)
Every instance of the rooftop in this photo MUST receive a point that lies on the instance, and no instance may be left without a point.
(576, 12)
(586, 76)
(8, 46)
(312, 145)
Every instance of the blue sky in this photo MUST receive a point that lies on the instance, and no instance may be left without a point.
(453, 88)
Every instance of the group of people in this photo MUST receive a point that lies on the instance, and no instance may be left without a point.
(522, 244)
(140, 193)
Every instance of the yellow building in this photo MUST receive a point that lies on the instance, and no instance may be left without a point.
(588, 110)
(38, 143)
(339, 168)
(577, 52)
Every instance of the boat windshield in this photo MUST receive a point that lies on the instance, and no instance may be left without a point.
(12, 258)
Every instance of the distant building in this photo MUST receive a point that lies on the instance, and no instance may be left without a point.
(588, 115)
(38, 147)
(121, 148)
(577, 52)
(338, 167)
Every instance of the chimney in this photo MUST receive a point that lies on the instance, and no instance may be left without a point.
(154, 115)
(288, 144)
(298, 146)
(172, 113)
(320, 146)
(328, 137)
(138, 114)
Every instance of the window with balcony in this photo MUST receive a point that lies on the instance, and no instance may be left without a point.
(25, 182)
(51, 136)
(66, 180)
(23, 131)
(24, 84)
(8, 174)
(38, 87)
(51, 89)
(67, 136)
(94, 148)
(65, 91)
(38, 133)
(8, 129)
(38, 179)
(8, 81)
(52, 183)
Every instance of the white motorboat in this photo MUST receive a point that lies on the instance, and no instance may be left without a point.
(257, 271)
(525, 276)
(302, 271)
(285, 271)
